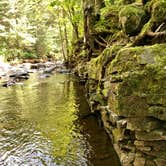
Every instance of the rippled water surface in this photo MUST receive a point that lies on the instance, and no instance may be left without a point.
(41, 124)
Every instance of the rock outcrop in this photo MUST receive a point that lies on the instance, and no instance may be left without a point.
(126, 79)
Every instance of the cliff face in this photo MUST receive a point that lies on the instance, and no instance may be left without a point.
(126, 73)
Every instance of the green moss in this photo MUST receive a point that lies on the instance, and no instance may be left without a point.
(159, 12)
(97, 66)
(124, 2)
(147, 27)
(93, 68)
(29, 55)
(143, 74)
(109, 19)
(132, 59)
(137, 91)
(132, 19)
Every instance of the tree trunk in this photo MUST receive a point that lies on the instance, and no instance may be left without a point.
(91, 9)
(66, 42)
(62, 42)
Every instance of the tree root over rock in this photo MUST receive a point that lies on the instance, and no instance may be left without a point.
(150, 38)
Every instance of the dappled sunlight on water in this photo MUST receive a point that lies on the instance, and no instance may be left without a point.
(40, 125)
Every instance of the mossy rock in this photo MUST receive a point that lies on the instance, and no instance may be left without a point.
(159, 12)
(108, 22)
(136, 58)
(132, 19)
(139, 87)
(97, 66)
(93, 68)
(139, 95)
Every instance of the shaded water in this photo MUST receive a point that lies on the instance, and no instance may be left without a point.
(41, 124)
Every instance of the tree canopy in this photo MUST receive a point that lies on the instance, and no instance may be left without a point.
(45, 28)
(39, 28)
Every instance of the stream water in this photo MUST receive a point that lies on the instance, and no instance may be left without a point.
(42, 124)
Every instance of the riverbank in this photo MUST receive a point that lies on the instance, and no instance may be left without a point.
(124, 69)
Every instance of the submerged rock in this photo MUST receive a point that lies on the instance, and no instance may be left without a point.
(9, 83)
(44, 75)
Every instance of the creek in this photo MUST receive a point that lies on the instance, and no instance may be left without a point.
(42, 124)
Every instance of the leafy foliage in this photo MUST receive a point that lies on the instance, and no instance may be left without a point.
(39, 27)
(26, 26)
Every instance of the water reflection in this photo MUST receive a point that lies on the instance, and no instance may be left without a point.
(40, 125)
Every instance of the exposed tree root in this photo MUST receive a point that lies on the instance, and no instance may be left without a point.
(150, 38)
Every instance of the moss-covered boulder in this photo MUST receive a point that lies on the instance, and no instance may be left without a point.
(159, 13)
(108, 22)
(132, 19)
(138, 86)
(137, 58)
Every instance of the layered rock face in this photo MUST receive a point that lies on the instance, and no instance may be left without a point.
(130, 94)
(136, 111)
(127, 81)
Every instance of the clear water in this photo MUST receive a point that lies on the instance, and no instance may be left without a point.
(41, 124)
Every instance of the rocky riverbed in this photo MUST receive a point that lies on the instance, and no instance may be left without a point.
(15, 74)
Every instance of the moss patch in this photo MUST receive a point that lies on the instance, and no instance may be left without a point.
(159, 13)
(132, 19)
(97, 66)
(140, 76)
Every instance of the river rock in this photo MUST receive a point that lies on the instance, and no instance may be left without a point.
(49, 69)
(19, 74)
(44, 75)
(8, 83)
